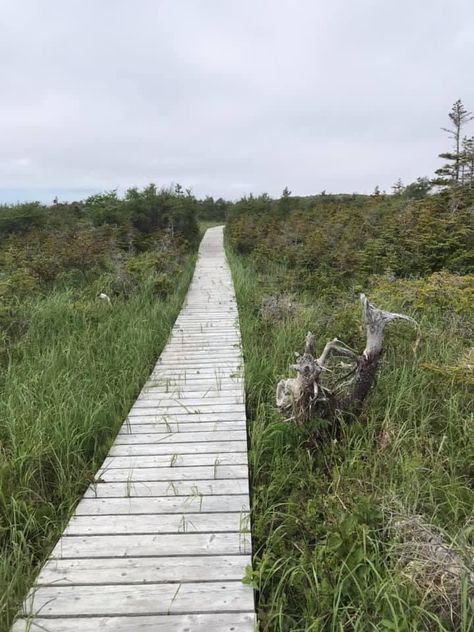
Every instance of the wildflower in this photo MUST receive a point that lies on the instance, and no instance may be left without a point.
(104, 297)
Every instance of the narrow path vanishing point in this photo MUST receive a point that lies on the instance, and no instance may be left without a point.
(160, 542)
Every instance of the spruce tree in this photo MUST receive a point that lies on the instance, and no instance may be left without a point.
(467, 162)
(398, 187)
(284, 203)
(450, 173)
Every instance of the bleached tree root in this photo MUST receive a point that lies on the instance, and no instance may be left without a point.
(304, 396)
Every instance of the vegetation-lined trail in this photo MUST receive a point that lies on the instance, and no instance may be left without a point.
(161, 539)
(72, 363)
(341, 504)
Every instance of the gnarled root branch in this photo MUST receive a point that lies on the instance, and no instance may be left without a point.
(296, 395)
(304, 396)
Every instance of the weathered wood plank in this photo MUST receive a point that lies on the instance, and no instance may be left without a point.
(153, 417)
(164, 523)
(152, 545)
(192, 389)
(199, 383)
(197, 326)
(190, 409)
(164, 400)
(146, 599)
(223, 365)
(205, 353)
(143, 570)
(172, 368)
(201, 368)
(177, 460)
(171, 474)
(231, 374)
(204, 343)
(197, 340)
(221, 308)
(204, 377)
(222, 622)
(160, 398)
(218, 381)
(201, 316)
(134, 429)
(167, 488)
(192, 447)
(130, 437)
(162, 504)
(167, 398)
(201, 358)
(187, 390)
(183, 334)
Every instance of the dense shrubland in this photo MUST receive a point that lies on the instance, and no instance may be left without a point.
(72, 363)
(333, 243)
(106, 243)
(344, 522)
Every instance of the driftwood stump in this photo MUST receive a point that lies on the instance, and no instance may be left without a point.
(304, 396)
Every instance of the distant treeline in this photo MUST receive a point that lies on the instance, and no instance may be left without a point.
(142, 212)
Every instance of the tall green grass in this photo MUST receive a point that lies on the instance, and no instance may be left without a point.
(324, 558)
(67, 386)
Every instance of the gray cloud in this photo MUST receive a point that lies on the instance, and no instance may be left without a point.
(227, 97)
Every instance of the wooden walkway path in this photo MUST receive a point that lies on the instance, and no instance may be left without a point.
(160, 542)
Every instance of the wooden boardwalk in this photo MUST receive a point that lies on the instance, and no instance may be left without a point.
(160, 541)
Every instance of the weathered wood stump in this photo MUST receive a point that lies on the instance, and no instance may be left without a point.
(304, 397)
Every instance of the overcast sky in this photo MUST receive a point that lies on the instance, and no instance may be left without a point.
(227, 97)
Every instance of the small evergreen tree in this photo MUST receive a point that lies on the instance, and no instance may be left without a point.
(450, 173)
(467, 162)
(284, 203)
(417, 190)
(398, 187)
